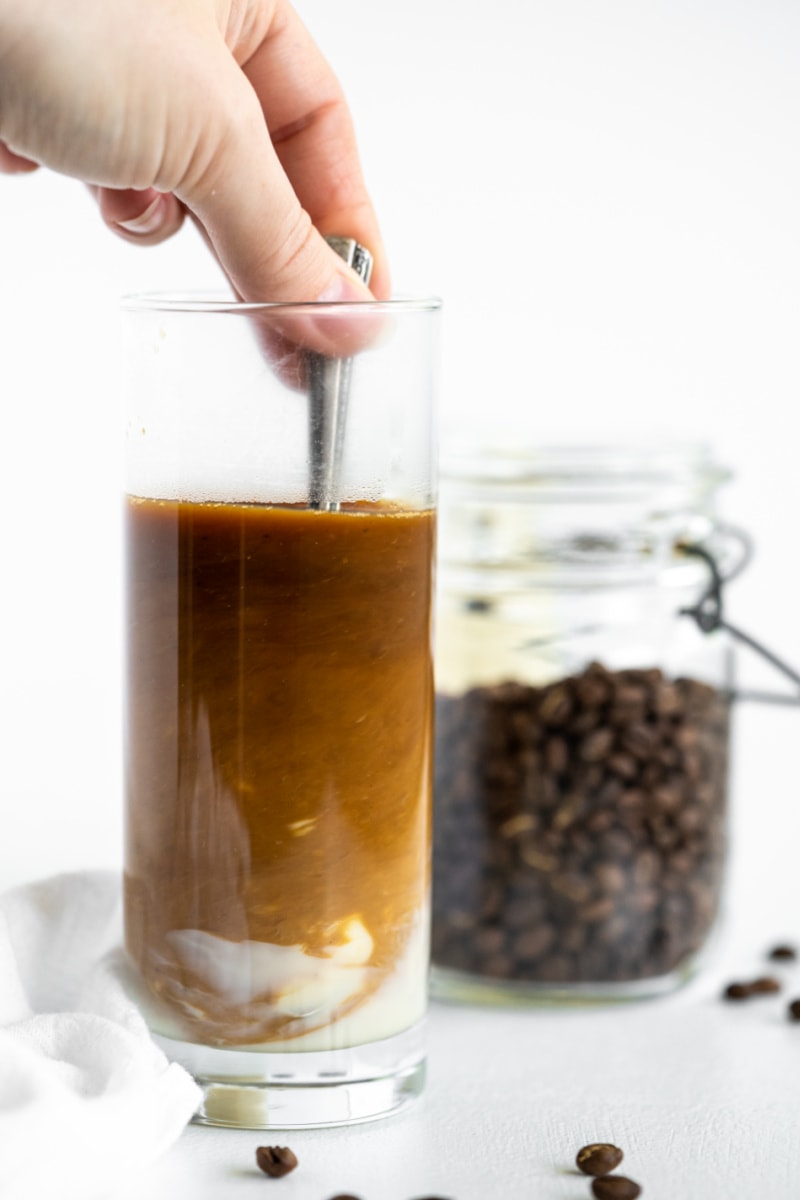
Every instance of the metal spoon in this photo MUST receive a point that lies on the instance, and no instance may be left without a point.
(328, 392)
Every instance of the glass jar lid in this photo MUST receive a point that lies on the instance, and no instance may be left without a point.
(577, 513)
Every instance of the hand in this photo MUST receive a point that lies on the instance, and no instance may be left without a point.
(224, 109)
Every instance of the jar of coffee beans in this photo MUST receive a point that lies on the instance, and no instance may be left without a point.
(582, 723)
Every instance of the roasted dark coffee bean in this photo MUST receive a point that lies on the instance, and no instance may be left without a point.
(556, 755)
(598, 1158)
(794, 1010)
(737, 991)
(276, 1160)
(765, 986)
(666, 700)
(783, 953)
(609, 877)
(580, 830)
(555, 707)
(345, 1196)
(639, 739)
(623, 765)
(596, 745)
(615, 1187)
(534, 942)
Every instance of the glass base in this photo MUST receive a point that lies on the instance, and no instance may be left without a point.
(253, 1089)
(463, 988)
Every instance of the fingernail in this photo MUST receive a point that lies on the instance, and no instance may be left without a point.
(344, 287)
(149, 221)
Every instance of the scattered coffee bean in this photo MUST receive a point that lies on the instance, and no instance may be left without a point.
(615, 1187)
(345, 1196)
(598, 1158)
(794, 1010)
(737, 991)
(580, 827)
(765, 986)
(276, 1160)
(783, 954)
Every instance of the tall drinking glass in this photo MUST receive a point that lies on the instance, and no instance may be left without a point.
(280, 536)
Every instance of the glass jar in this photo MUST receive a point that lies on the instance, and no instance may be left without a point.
(582, 723)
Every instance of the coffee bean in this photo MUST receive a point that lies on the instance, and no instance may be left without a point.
(737, 991)
(490, 941)
(555, 707)
(667, 799)
(639, 739)
(592, 691)
(609, 877)
(783, 953)
(615, 1187)
(765, 986)
(631, 696)
(666, 700)
(556, 755)
(601, 910)
(580, 830)
(596, 745)
(534, 942)
(276, 1160)
(598, 1158)
(623, 764)
(345, 1196)
(514, 826)
(794, 1010)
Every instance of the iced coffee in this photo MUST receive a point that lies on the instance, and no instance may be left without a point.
(278, 770)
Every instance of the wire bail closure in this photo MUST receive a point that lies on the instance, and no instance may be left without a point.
(708, 615)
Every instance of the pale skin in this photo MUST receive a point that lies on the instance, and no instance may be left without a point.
(222, 109)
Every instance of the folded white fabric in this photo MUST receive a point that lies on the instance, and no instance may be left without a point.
(85, 1095)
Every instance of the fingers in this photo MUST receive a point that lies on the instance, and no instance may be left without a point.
(263, 238)
(266, 205)
(143, 216)
(14, 164)
(194, 120)
(312, 132)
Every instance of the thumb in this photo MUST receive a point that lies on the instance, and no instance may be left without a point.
(264, 239)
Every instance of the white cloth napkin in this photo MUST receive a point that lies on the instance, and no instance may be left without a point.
(85, 1095)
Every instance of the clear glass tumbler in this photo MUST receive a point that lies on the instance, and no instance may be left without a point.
(279, 699)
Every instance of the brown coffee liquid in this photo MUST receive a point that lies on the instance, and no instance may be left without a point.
(278, 744)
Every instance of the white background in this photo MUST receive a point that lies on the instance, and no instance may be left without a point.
(607, 196)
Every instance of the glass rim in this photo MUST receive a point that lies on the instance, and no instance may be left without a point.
(204, 301)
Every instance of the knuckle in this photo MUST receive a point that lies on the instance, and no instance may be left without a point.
(292, 259)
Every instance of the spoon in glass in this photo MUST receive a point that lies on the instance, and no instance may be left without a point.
(328, 392)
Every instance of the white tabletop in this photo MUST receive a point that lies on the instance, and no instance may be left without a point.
(701, 1094)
